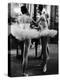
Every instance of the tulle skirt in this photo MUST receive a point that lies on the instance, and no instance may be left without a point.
(48, 32)
(23, 34)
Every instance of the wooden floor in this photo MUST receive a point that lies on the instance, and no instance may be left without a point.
(34, 65)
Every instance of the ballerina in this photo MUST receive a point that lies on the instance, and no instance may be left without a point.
(45, 33)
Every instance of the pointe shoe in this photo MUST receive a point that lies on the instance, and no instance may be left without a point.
(25, 74)
(45, 68)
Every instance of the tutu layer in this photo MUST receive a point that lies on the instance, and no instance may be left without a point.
(23, 34)
(28, 33)
(48, 32)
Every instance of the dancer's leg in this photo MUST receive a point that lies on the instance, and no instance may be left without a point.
(44, 45)
(25, 55)
(47, 51)
(22, 50)
(36, 49)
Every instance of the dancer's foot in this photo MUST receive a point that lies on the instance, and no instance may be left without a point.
(45, 68)
(25, 74)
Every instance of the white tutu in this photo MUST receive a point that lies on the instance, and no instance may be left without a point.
(48, 32)
(22, 34)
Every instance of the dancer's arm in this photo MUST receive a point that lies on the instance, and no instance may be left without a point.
(44, 25)
(32, 20)
(35, 23)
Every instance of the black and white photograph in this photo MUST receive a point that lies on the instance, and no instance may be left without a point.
(33, 31)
